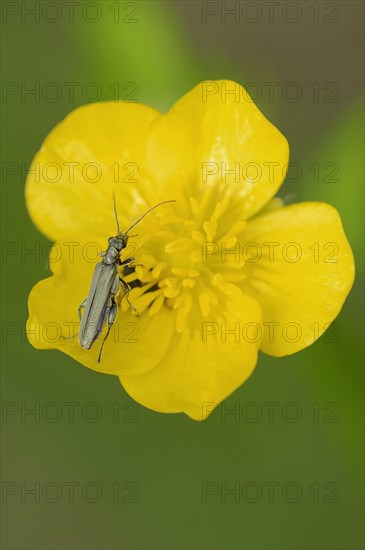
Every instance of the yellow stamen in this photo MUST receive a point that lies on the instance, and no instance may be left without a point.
(173, 260)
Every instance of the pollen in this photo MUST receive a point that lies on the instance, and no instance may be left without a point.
(187, 263)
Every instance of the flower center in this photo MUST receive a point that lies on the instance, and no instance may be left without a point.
(189, 263)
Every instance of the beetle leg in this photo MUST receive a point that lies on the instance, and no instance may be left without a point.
(127, 290)
(81, 306)
(127, 261)
(111, 315)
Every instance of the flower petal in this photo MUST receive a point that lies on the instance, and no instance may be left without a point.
(98, 148)
(303, 276)
(215, 137)
(148, 157)
(203, 364)
(135, 344)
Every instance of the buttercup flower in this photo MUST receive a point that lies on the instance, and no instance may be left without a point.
(223, 272)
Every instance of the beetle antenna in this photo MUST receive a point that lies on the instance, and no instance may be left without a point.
(115, 213)
(145, 214)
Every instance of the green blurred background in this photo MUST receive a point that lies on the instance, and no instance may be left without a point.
(155, 52)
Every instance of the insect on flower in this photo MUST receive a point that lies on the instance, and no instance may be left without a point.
(207, 303)
(100, 305)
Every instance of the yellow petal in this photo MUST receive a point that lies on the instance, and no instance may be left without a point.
(98, 148)
(215, 137)
(204, 364)
(147, 157)
(303, 276)
(135, 344)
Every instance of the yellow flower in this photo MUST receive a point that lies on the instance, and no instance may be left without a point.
(226, 270)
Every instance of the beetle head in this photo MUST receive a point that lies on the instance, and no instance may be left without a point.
(119, 242)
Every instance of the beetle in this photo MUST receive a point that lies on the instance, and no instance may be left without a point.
(100, 306)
